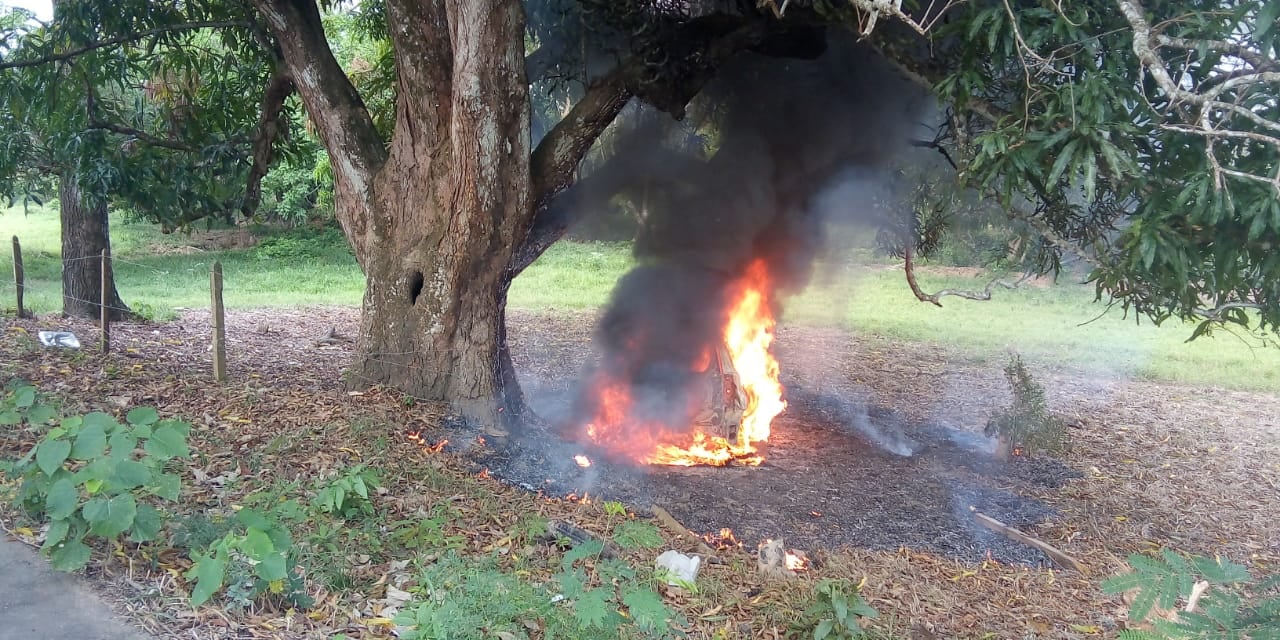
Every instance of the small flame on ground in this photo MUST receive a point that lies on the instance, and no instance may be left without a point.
(722, 540)
(484, 473)
(582, 461)
(416, 438)
(796, 561)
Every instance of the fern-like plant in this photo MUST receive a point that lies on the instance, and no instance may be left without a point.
(1234, 606)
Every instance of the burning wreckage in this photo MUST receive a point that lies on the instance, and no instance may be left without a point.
(729, 394)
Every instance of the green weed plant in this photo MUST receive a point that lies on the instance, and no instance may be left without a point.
(93, 476)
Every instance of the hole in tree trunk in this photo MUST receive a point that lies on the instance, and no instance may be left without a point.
(415, 286)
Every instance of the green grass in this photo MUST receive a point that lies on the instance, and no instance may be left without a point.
(152, 278)
(1054, 326)
(1058, 325)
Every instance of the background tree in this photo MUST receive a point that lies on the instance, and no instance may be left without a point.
(1139, 140)
(143, 107)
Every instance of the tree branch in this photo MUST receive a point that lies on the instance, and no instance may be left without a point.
(908, 264)
(557, 156)
(269, 128)
(123, 39)
(94, 122)
(340, 116)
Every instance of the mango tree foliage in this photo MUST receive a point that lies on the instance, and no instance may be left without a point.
(1144, 140)
(169, 109)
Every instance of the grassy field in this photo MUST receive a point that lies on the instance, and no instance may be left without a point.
(1056, 325)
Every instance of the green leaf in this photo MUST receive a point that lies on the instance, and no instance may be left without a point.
(140, 416)
(50, 455)
(101, 420)
(646, 608)
(209, 572)
(1060, 164)
(823, 630)
(167, 442)
(1268, 15)
(591, 609)
(272, 567)
(147, 524)
(90, 443)
(58, 530)
(253, 519)
(122, 444)
(571, 584)
(130, 474)
(109, 517)
(167, 486)
(840, 605)
(62, 500)
(69, 556)
(24, 397)
(257, 544)
(41, 414)
(1220, 570)
(861, 609)
(588, 549)
(634, 534)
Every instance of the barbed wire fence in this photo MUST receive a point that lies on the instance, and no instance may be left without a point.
(395, 360)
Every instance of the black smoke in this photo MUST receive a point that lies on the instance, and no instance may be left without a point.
(777, 138)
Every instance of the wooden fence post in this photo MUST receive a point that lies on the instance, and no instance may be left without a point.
(219, 324)
(19, 277)
(102, 302)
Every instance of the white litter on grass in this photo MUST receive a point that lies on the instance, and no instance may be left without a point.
(678, 568)
(59, 339)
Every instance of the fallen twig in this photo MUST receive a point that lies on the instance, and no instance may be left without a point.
(680, 530)
(332, 337)
(1057, 555)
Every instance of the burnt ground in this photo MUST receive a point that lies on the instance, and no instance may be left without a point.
(826, 481)
(843, 467)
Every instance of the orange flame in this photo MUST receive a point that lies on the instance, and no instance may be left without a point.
(748, 335)
(582, 461)
(795, 561)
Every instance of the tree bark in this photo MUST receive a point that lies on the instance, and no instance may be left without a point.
(436, 215)
(85, 234)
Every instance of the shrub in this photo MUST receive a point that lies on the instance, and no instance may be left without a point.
(589, 598)
(303, 244)
(347, 495)
(91, 476)
(255, 557)
(1027, 423)
(835, 613)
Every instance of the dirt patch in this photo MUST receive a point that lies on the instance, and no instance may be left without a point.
(201, 241)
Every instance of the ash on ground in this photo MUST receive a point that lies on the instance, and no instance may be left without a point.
(835, 474)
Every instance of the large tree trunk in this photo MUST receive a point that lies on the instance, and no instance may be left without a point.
(84, 235)
(436, 216)
(433, 218)
(451, 204)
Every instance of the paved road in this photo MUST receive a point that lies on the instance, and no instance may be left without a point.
(38, 603)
